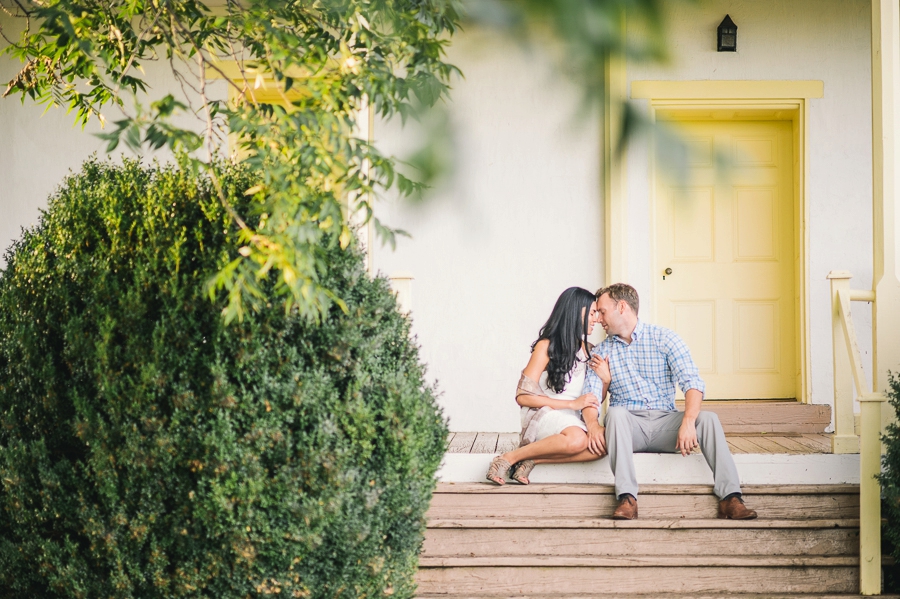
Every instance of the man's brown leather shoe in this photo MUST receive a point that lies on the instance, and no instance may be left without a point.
(627, 509)
(733, 508)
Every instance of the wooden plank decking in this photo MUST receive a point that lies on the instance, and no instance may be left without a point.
(756, 443)
(549, 541)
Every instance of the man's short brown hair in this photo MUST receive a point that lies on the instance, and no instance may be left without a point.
(621, 292)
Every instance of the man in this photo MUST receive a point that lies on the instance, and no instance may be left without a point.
(638, 364)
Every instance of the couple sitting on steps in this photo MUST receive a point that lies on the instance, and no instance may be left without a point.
(638, 364)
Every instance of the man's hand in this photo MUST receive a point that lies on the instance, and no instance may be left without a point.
(596, 439)
(588, 400)
(601, 367)
(687, 437)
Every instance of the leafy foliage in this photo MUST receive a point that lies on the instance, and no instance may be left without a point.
(299, 73)
(147, 449)
(890, 487)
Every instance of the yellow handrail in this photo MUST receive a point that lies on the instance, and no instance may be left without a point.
(856, 367)
(844, 439)
(848, 364)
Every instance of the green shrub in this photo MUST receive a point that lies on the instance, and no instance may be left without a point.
(149, 450)
(890, 489)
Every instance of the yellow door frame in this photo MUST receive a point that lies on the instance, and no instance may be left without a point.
(747, 100)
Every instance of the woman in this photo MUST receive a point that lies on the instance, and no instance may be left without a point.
(550, 392)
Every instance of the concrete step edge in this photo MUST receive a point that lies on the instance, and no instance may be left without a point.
(672, 469)
(664, 489)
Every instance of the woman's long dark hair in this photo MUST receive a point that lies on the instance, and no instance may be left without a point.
(566, 329)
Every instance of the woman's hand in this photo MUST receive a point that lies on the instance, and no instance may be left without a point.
(588, 400)
(601, 367)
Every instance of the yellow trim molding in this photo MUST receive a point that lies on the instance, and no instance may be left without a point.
(726, 90)
(750, 100)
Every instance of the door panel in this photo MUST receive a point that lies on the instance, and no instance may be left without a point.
(729, 239)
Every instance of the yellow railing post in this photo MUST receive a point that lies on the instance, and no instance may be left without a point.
(870, 494)
(844, 439)
(848, 368)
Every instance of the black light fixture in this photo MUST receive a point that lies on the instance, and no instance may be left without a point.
(727, 35)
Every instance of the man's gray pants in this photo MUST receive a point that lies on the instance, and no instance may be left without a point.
(656, 431)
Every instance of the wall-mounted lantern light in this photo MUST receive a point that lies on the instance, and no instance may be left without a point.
(727, 35)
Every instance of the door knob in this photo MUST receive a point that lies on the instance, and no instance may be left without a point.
(668, 271)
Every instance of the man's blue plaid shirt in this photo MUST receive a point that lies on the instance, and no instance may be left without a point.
(644, 373)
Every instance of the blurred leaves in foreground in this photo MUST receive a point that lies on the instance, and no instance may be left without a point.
(299, 76)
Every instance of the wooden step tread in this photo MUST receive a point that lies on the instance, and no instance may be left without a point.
(657, 507)
(657, 582)
(768, 416)
(595, 595)
(639, 561)
(639, 523)
(623, 542)
(581, 489)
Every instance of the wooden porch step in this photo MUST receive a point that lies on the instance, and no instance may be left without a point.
(559, 541)
(608, 523)
(598, 595)
(662, 540)
(655, 581)
(638, 561)
(467, 501)
(768, 416)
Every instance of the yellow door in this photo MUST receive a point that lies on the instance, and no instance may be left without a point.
(727, 238)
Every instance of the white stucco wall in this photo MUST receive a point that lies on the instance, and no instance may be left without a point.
(518, 221)
(38, 149)
(827, 40)
(483, 286)
(36, 152)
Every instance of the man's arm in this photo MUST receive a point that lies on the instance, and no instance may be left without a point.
(596, 383)
(596, 431)
(687, 433)
(688, 376)
(681, 364)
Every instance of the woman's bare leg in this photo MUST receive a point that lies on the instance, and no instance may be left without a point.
(584, 456)
(571, 441)
(573, 451)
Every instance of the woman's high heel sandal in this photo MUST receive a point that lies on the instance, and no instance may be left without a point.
(521, 471)
(498, 471)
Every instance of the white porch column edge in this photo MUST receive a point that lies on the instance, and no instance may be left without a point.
(886, 281)
(885, 167)
(614, 172)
